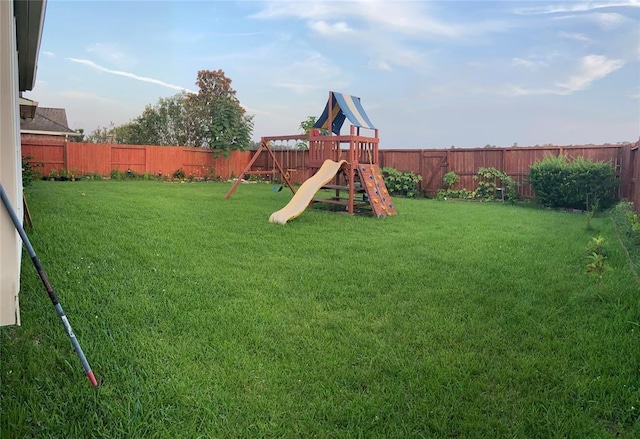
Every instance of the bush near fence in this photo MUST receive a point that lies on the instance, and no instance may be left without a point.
(578, 183)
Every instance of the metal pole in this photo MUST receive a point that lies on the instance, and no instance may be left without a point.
(47, 285)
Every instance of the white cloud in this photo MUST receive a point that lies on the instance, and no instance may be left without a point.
(303, 71)
(129, 75)
(110, 53)
(604, 20)
(48, 54)
(399, 17)
(592, 68)
(403, 57)
(339, 29)
(516, 90)
(379, 65)
(575, 36)
(386, 32)
(609, 20)
(527, 63)
(576, 7)
(299, 88)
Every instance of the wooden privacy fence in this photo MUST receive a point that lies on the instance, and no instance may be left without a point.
(431, 164)
(97, 158)
(630, 174)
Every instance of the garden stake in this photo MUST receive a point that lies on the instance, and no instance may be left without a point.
(47, 285)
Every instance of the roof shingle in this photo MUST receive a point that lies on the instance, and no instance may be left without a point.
(48, 119)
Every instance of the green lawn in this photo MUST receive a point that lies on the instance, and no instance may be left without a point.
(202, 319)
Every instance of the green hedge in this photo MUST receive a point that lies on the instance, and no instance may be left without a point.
(579, 183)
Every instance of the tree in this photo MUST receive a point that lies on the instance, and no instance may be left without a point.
(215, 117)
(212, 118)
(306, 126)
(79, 138)
(102, 134)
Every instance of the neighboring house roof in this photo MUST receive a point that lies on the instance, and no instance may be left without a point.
(47, 121)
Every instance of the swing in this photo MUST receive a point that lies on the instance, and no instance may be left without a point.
(277, 189)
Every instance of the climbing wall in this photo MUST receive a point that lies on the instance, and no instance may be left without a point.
(372, 181)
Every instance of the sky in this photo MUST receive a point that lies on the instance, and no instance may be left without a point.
(430, 74)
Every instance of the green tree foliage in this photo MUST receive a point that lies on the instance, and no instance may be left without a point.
(488, 179)
(103, 135)
(306, 126)
(79, 138)
(401, 183)
(579, 183)
(212, 118)
(216, 118)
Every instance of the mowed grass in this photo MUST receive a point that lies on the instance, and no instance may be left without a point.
(202, 319)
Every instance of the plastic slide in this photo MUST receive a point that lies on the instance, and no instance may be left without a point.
(305, 193)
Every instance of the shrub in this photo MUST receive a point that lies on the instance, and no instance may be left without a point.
(132, 175)
(597, 258)
(179, 174)
(116, 174)
(450, 178)
(578, 183)
(626, 219)
(401, 183)
(488, 184)
(28, 171)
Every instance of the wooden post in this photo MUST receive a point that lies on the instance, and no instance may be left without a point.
(352, 175)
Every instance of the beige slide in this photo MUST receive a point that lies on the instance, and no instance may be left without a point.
(305, 193)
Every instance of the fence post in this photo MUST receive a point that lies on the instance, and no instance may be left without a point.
(65, 160)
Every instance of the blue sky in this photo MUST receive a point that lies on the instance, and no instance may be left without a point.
(429, 74)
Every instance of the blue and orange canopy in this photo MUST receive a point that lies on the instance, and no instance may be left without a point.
(343, 107)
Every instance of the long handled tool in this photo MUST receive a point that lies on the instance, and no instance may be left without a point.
(47, 285)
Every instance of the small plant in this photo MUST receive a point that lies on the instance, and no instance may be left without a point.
(210, 175)
(634, 224)
(596, 246)
(179, 174)
(53, 174)
(591, 213)
(488, 184)
(401, 183)
(597, 265)
(450, 178)
(596, 256)
(116, 174)
(28, 171)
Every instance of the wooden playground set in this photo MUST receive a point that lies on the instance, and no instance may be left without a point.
(352, 174)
